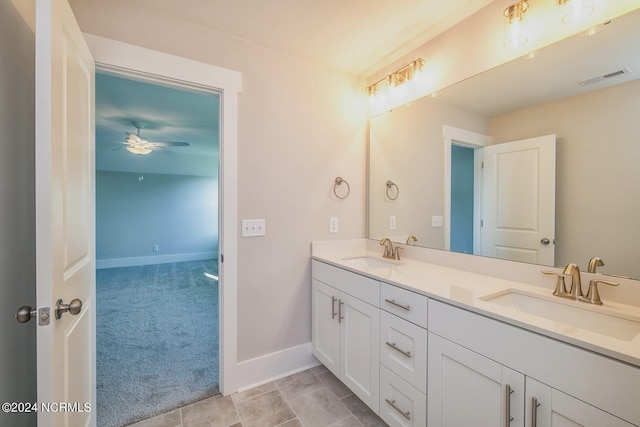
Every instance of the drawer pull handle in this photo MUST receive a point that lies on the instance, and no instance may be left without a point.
(407, 414)
(534, 411)
(392, 301)
(333, 307)
(507, 406)
(393, 346)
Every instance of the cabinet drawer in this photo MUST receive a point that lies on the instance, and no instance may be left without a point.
(400, 403)
(361, 287)
(406, 304)
(403, 349)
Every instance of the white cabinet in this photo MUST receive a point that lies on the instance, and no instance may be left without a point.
(325, 332)
(467, 389)
(401, 404)
(467, 368)
(403, 349)
(346, 334)
(548, 407)
(359, 341)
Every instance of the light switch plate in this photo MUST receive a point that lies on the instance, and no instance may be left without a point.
(253, 227)
(436, 221)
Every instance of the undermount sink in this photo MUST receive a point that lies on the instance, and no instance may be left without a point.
(574, 314)
(368, 262)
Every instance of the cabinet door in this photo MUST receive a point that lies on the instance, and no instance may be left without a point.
(359, 351)
(467, 389)
(325, 331)
(553, 408)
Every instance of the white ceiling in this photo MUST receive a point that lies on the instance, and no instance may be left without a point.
(357, 36)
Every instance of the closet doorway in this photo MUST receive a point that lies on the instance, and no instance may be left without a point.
(157, 216)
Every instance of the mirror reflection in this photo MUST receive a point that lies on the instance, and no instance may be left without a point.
(581, 92)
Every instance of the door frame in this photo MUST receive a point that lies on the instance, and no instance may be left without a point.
(131, 60)
(465, 138)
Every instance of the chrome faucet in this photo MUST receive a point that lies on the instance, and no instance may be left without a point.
(388, 248)
(576, 285)
(594, 263)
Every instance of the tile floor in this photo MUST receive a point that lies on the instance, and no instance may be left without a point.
(312, 398)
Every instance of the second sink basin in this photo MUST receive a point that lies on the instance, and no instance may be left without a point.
(580, 315)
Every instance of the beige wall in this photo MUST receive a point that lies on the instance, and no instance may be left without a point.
(407, 147)
(300, 125)
(597, 172)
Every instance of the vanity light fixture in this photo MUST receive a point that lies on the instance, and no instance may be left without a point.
(575, 10)
(394, 89)
(515, 34)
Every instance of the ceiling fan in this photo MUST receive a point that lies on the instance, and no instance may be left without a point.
(136, 144)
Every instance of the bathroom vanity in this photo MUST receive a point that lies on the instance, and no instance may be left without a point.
(423, 344)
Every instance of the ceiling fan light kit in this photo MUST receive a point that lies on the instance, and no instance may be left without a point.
(136, 144)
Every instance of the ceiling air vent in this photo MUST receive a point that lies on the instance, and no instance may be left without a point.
(605, 77)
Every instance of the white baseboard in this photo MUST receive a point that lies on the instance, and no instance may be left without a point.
(157, 259)
(270, 367)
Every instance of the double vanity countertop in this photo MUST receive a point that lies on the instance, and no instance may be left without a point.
(611, 329)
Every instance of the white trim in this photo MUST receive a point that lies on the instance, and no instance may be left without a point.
(273, 366)
(157, 259)
(134, 60)
(461, 137)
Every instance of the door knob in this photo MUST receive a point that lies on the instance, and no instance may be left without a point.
(25, 313)
(545, 241)
(74, 307)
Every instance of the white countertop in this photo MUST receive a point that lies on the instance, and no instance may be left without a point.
(466, 290)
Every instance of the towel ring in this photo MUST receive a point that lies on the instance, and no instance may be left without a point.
(389, 185)
(337, 183)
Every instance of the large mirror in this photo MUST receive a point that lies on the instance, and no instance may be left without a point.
(584, 90)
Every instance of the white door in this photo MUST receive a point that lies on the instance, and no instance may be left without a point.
(64, 217)
(518, 212)
(467, 389)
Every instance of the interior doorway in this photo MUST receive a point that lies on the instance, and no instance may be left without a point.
(157, 216)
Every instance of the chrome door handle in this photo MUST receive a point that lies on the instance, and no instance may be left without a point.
(74, 308)
(333, 307)
(396, 348)
(545, 241)
(507, 405)
(404, 307)
(407, 414)
(534, 411)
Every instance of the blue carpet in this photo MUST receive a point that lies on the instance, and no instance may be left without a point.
(157, 339)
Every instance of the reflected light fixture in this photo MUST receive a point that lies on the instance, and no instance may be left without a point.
(575, 10)
(397, 87)
(138, 150)
(515, 34)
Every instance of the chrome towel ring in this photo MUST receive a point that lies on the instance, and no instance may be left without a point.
(390, 193)
(338, 182)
